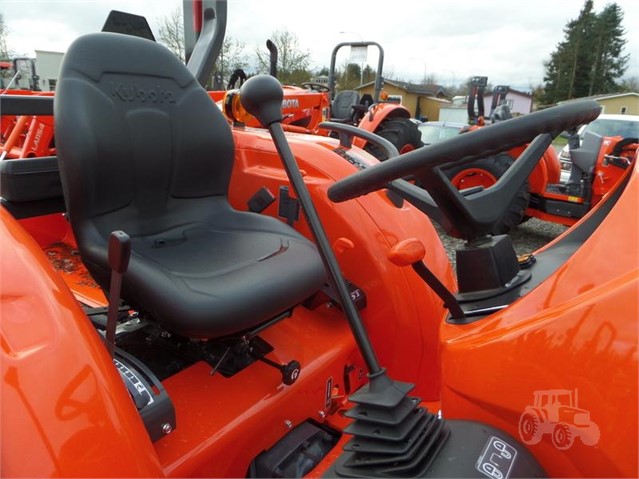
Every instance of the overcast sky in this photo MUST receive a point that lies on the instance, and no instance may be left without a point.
(506, 40)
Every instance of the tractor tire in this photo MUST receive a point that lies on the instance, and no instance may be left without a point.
(590, 437)
(486, 172)
(530, 428)
(562, 436)
(401, 132)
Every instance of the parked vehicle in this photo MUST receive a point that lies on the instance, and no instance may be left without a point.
(19, 74)
(308, 105)
(435, 131)
(626, 126)
(168, 312)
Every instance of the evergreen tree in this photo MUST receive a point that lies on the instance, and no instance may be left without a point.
(589, 59)
(608, 62)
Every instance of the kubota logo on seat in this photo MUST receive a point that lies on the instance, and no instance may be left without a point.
(145, 95)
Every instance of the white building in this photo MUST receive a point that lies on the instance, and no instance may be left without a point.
(48, 68)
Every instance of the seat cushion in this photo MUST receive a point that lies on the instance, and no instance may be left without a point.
(212, 279)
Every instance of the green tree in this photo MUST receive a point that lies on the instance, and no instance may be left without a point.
(369, 74)
(608, 63)
(589, 59)
(629, 85)
(570, 62)
(292, 62)
(348, 77)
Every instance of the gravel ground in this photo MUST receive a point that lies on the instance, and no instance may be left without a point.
(527, 237)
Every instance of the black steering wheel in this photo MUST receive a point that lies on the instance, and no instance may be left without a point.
(472, 215)
(316, 86)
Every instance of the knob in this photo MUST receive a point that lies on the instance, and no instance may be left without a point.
(290, 372)
(407, 252)
(262, 97)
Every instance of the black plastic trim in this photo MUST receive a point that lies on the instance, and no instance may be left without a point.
(26, 105)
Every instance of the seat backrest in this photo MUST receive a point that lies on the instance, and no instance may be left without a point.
(367, 100)
(126, 109)
(343, 103)
(585, 157)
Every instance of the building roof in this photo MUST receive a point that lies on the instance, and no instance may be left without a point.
(614, 95)
(49, 52)
(416, 88)
(604, 96)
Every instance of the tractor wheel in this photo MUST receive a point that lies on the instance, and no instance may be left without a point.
(562, 436)
(530, 428)
(485, 173)
(401, 132)
(590, 436)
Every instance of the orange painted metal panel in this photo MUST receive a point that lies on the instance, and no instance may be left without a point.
(65, 410)
(576, 332)
(401, 309)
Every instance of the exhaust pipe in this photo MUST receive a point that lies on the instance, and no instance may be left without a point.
(272, 58)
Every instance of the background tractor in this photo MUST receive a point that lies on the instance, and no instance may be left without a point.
(544, 194)
(373, 113)
(311, 103)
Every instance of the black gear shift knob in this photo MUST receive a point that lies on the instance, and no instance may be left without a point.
(262, 97)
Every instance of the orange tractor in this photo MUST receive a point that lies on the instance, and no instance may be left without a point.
(543, 195)
(186, 297)
(303, 107)
(307, 106)
(372, 113)
(27, 136)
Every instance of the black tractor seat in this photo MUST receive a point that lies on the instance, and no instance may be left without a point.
(143, 149)
(342, 108)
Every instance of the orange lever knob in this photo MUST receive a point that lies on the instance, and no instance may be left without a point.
(407, 252)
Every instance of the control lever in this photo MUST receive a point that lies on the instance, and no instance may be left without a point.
(290, 371)
(410, 252)
(119, 254)
(262, 97)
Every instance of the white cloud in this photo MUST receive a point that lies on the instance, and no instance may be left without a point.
(506, 40)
